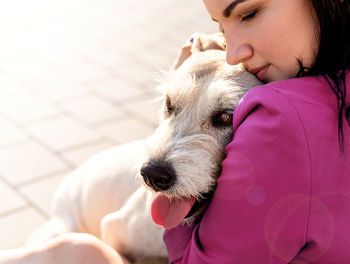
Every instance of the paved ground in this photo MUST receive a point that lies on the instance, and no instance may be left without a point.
(77, 77)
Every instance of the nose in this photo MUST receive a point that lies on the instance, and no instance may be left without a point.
(237, 49)
(160, 175)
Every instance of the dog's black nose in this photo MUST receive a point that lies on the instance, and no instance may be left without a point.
(158, 175)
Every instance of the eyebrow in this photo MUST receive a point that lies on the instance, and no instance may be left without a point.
(230, 7)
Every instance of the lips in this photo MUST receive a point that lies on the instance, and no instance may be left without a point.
(260, 72)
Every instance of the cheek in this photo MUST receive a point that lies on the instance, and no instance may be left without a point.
(284, 44)
(269, 37)
(296, 34)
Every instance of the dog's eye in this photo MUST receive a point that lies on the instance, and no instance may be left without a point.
(169, 108)
(225, 118)
(222, 119)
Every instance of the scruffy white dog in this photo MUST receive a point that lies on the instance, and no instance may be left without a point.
(180, 162)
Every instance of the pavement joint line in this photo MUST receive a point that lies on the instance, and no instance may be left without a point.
(43, 178)
(127, 111)
(24, 197)
(13, 211)
(115, 102)
(83, 145)
(64, 113)
(41, 143)
(14, 143)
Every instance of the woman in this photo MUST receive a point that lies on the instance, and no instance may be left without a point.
(284, 192)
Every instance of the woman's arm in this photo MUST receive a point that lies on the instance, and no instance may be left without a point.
(259, 212)
(68, 249)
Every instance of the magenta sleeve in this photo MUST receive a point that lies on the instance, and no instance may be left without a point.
(259, 212)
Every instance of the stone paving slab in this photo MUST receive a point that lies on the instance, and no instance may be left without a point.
(77, 77)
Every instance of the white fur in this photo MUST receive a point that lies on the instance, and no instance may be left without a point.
(105, 197)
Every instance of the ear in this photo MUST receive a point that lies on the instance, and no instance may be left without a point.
(202, 42)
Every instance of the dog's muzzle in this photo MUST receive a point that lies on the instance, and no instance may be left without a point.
(158, 175)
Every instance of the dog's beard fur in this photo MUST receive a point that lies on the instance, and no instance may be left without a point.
(195, 159)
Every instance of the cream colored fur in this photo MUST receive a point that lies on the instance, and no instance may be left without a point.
(105, 196)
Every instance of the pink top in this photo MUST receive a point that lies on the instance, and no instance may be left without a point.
(284, 192)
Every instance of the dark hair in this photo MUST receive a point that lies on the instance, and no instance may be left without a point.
(333, 58)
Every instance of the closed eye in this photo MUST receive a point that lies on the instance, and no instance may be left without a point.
(250, 15)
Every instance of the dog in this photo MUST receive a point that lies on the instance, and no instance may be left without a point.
(178, 164)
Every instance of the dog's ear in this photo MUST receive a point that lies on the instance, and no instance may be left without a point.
(202, 42)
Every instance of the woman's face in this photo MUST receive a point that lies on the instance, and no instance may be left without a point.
(267, 36)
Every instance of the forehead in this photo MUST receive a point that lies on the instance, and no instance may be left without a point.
(218, 8)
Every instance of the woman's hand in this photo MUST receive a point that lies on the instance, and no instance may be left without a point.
(183, 54)
(199, 42)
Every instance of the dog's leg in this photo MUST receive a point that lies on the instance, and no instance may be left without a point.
(131, 230)
(98, 187)
(54, 227)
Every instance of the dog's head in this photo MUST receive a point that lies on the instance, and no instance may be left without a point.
(187, 149)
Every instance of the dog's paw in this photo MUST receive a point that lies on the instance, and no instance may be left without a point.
(107, 234)
(111, 227)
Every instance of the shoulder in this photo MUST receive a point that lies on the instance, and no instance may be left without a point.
(288, 100)
(272, 120)
(269, 142)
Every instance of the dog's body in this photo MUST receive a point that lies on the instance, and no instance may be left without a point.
(105, 196)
